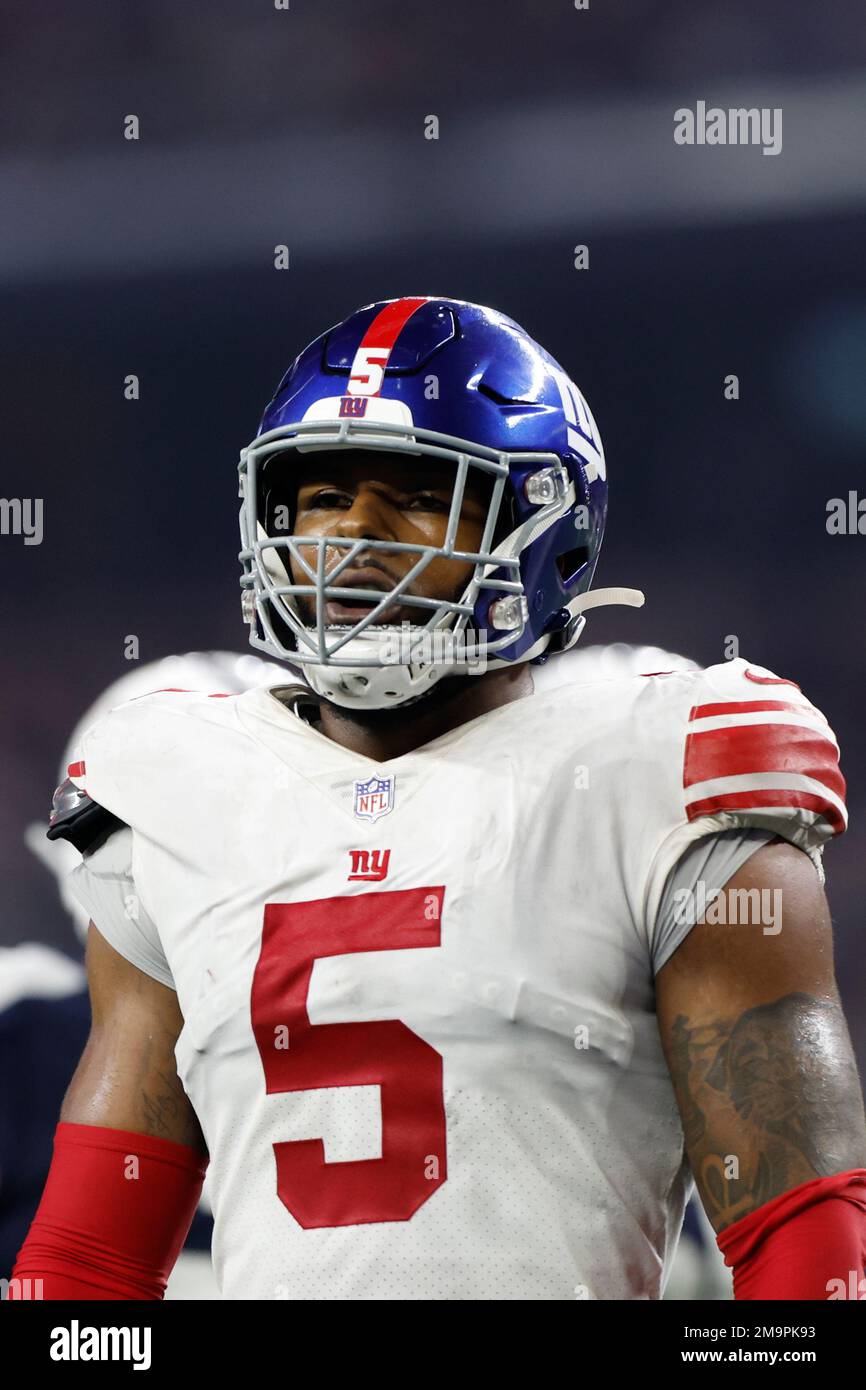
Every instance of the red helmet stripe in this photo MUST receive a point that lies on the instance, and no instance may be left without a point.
(386, 327)
(374, 349)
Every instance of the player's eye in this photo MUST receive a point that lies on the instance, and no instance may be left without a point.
(428, 502)
(330, 498)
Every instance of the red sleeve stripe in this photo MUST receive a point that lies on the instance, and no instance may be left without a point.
(781, 785)
(754, 707)
(769, 718)
(742, 802)
(75, 770)
(749, 748)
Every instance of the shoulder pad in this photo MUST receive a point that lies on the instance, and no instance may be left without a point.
(77, 818)
(758, 749)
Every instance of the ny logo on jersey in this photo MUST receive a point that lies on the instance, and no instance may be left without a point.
(353, 405)
(374, 798)
(371, 864)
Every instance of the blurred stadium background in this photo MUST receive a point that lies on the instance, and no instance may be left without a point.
(305, 127)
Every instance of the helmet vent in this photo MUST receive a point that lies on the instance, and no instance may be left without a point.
(516, 401)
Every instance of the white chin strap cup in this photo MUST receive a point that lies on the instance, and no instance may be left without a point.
(387, 685)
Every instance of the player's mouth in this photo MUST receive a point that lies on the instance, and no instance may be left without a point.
(350, 610)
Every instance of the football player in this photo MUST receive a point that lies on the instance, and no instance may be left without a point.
(457, 991)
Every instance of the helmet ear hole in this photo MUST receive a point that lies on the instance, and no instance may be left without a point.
(571, 561)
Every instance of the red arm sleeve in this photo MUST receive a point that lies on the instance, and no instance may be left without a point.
(114, 1215)
(809, 1242)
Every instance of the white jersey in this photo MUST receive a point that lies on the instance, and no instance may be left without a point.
(418, 996)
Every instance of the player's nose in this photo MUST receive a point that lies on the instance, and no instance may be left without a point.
(369, 518)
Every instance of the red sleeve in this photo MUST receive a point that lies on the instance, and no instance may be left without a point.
(807, 1243)
(114, 1215)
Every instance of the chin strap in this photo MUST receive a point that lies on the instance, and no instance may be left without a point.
(594, 598)
(567, 636)
(604, 598)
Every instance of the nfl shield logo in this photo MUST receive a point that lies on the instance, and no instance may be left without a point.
(374, 798)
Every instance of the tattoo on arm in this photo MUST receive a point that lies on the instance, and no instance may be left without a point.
(160, 1106)
(768, 1100)
(167, 1113)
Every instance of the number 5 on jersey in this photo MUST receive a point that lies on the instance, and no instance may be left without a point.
(383, 1053)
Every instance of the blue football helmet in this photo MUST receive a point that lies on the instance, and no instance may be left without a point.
(465, 384)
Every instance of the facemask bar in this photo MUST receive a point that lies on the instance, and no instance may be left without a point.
(320, 645)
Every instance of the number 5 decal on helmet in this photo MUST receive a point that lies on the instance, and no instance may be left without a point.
(368, 371)
(384, 1053)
